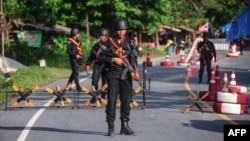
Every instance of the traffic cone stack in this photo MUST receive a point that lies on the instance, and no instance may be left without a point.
(233, 87)
(225, 83)
(217, 78)
(212, 82)
(233, 78)
(228, 102)
(211, 89)
(233, 51)
(167, 62)
(148, 61)
(182, 61)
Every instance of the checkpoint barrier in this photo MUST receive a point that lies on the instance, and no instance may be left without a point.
(139, 89)
(23, 96)
(95, 96)
(195, 102)
(230, 99)
(59, 96)
(212, 90)
(229, 108)
(133, 103)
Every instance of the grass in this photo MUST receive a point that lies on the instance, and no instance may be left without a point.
(153, 51)
(29, 77)
(57, 67)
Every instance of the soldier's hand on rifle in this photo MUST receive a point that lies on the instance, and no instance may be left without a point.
(135, 76)
(117, 61)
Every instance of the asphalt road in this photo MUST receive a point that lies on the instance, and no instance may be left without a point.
(162, 119)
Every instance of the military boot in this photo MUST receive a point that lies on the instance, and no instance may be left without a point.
(125, 129)
(111, 127)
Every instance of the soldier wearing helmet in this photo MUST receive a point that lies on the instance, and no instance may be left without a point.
(75, 57)
(98, 67)
(207, 53)
(119, 87)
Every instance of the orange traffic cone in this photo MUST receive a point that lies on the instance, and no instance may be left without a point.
(225, 83)
(167, 62)
(211, 89)
(233, 78)
(182, 61)
(212, 83)
(217, 78)
(148, 61)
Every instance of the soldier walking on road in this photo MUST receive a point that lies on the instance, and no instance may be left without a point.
(207, 53)
(98, 67)
(75, 57)
(119, 86)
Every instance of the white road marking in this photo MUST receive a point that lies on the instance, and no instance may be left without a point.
(32, 121)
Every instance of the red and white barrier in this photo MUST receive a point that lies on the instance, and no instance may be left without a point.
(226, 97)
(228, 108)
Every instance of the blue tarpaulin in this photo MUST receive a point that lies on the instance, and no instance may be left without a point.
(225, 28)
(240, 26)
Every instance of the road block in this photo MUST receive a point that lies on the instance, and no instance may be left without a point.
(23, 96)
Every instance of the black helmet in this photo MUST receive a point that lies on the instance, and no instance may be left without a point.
(104, 31)
(74, 31)
(120, 24)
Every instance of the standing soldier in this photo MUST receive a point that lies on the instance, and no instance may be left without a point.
(119, 86)
(240, 43)
(98, 68)
(207, 53)
(75, 57)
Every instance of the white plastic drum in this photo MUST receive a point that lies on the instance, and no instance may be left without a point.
(228, 108)
(227, 97)
(237, 89)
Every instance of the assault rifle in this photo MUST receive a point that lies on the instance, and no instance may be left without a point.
(118, 53)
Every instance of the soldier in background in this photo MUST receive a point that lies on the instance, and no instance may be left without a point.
(207, 53)
(98, 67)
(240, 43)
(75, 57)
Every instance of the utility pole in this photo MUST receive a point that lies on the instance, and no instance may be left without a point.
(2, 27)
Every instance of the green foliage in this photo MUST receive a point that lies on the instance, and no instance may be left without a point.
(153, 51)
(30, 76)
(5, 83)
(14, 8)
(59, 44)
(141, 15)
(27, 55)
